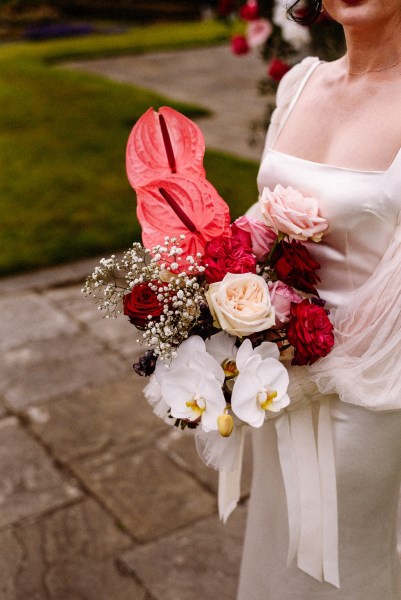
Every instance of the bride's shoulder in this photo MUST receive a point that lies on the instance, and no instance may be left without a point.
(293, 78)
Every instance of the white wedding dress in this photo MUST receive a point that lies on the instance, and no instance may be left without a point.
(362, 209)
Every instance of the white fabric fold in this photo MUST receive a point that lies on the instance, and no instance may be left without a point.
(363, 365)
(310, 485)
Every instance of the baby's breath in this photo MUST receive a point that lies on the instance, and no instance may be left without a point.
(176, 280)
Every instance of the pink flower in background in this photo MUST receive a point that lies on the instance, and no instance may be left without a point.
(287, 211)
(277, 68)
(262, 237)
(161, 144)
(281, 297)
(228, 255)
(258, 32)
(249, 11)
(239, 45)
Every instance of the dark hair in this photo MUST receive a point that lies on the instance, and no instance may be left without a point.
(308, 16)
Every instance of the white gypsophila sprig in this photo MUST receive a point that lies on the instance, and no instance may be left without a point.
(174, 279)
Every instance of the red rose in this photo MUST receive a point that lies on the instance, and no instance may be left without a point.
(228, 255)
(249, 11)
(239, 44)
(310, 332)
(295, 266)
(140, 303)
(277, 69)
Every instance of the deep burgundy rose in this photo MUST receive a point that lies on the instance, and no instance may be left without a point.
(239, 44)
(228, 255)
(249, 11)
(277, 69)
(310, 332)
(140, 303)
(295, 266)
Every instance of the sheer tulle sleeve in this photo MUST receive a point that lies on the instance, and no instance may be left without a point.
(365, 362)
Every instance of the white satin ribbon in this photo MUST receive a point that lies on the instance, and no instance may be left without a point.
(310, 486)
(230, 481)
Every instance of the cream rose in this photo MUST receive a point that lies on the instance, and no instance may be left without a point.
(287, 211)
(240, 304)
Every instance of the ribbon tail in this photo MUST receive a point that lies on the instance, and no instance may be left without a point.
(230, 481)
(329, 495)
(310, 557)
(291, 486)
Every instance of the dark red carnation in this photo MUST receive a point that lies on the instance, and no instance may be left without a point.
(277, 68)
(239, 44)
(249, 11)
(295, 266)
(140, 303)
(310, 332)
(228, 255)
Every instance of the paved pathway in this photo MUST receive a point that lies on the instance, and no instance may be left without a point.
(99, 500)
(212, 77)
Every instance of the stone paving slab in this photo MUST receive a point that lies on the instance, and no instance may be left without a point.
(118, 333)
(28, 317)
(29, 482)
(43, 369)
(108, 420)
(212, 77)
(180, 447)
(148, 493)
(200, 562)
(67, 555)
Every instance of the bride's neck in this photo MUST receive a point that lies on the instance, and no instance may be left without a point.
(374, 49)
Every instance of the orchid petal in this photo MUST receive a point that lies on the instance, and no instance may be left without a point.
(267, 350)
(150, 155)
(222, 346)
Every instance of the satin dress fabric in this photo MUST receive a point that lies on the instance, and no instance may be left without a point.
(362, 209)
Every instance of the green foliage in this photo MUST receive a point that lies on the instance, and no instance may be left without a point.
(63, 192)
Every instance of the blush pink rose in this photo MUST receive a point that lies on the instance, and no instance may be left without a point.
(281, 297)
(258, 32)
(262, 237)
(287, 211)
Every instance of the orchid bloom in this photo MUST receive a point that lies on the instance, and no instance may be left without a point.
(261, 384)
(192, 385)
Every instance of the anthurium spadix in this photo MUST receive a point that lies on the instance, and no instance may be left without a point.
(161, 144)
(261, 384)
(182, 206)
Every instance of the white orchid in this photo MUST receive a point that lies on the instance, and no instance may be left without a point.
(192, 385)
(261, 384)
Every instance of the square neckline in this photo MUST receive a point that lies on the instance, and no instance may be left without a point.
(288, 112)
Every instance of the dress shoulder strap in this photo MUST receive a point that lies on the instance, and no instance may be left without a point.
(288, 92)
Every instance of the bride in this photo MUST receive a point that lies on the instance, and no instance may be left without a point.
(321, 528)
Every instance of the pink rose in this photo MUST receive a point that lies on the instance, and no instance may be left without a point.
(262, 237)
(239, 44)
(281, 297)
(287, 211)
(258, 32)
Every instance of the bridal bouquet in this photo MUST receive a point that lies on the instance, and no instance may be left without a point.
(216, 304)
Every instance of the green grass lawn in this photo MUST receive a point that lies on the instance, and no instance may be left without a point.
(63, 189)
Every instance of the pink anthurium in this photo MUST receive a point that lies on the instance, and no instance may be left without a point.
(182, 206)
(161, 144)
